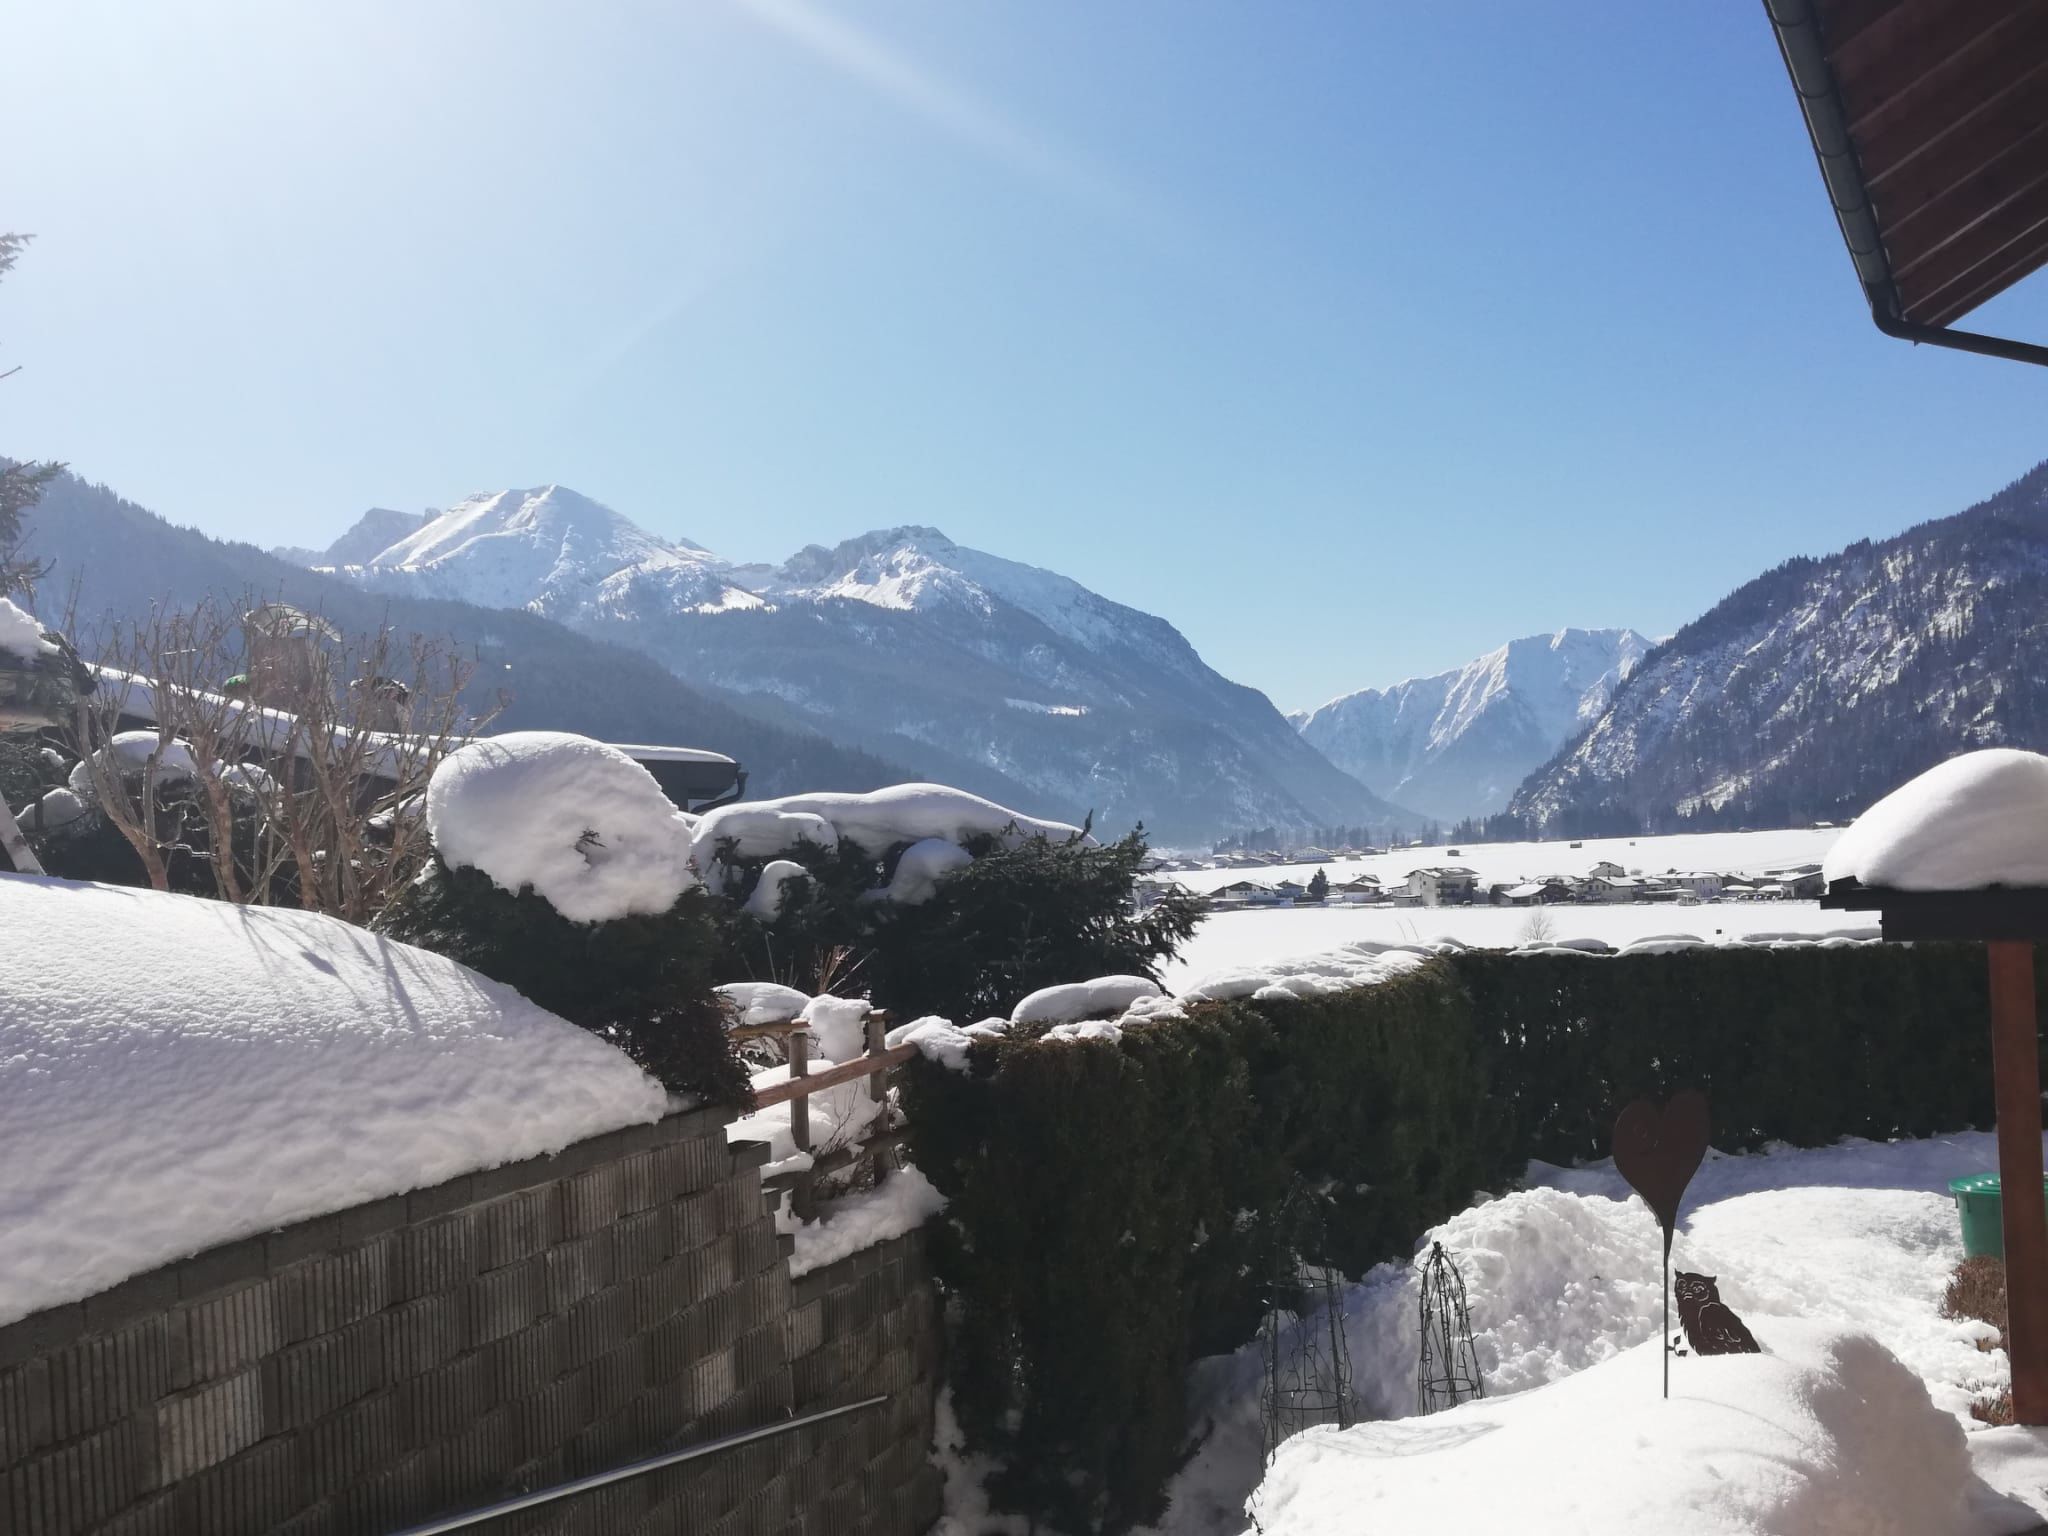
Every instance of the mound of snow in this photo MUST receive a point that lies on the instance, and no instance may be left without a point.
(128, 754)
(179, 1073)
(1979, 819)
(1076, 1000)
(1826, 1432)
(838, 1025)
(874, 822)
(758, 832)
(1362, 964)
(58, 808)
(579, 821)
(901, 1203)
(20, 635)
(920, 869)
(764, 1002)
(937, 1040)
(765, 902)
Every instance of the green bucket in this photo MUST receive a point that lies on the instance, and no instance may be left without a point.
(1982, 1210)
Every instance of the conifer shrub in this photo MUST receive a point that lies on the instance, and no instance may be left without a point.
(1017, 918)
(642, 982)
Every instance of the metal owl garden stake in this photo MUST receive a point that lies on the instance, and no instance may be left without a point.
(1658, 1152)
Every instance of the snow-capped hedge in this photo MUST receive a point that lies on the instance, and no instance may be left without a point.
(1119, 1186)
(952, 905)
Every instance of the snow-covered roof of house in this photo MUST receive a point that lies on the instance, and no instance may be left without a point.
(177, 1073)
(1535, 888)
(641, 753)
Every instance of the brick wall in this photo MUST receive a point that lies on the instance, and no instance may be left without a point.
(440, 1350)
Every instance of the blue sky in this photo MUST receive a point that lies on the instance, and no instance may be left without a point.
(1354, 338)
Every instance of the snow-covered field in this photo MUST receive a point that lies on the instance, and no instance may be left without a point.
(1810, 1247)
(1259, 937)
(1722, 852)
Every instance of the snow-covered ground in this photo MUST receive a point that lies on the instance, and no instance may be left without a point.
(1260, 936)
(177, 1073)
(1564, 1282)
(1722, 852)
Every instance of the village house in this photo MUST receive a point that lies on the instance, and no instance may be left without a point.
(1358, 889)
(1611, 888)
(1532, 893)
(1801, 881)
(1443, 886)
(1704, 884)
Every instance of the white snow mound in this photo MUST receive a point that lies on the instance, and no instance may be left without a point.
(127, 754)
(874, 822)
(764, 1002)
(20, 634)
(1979, 819)
(179, 1073)
(1825, 1433)
(1075, 1000)
(921, 867)
(901, 1203)
(579, 821)
(766, 901)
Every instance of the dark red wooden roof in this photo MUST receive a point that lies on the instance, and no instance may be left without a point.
(1930, 118)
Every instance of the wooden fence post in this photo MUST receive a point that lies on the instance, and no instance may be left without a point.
(877, 1025)
(800, 1121)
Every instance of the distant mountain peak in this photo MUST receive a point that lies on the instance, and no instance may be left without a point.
(547, 548)
(1458, 743)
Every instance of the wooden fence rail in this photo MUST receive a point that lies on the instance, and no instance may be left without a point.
(874, 1064)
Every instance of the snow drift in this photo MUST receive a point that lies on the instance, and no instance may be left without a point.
(179, 1073)
(1826, 1432)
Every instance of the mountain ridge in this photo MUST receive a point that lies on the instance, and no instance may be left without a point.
(1823, 683)
(902, 642)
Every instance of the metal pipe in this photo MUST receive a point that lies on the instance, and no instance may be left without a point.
(1797, 26)
(1961, 341)
(631, 1469)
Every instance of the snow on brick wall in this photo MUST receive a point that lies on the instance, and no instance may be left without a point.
(433, 1352)
(179, 1073)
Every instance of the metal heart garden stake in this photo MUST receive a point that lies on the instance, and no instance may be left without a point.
(1658, 1152)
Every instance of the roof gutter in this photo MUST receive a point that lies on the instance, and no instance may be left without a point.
(1797, 26)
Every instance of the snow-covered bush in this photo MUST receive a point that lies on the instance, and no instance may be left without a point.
(642, 981)
(578, 822)
(1114, 1202)
(560, 869)
(929, 899)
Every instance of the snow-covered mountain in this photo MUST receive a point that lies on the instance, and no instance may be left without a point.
(376, 530)
(1823, 684)
(551, 551)
(1457, 744)
(907, 644)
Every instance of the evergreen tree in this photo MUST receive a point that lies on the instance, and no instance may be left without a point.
(1016, 919)
(21, 485)
(1318, 886)
(642, 982)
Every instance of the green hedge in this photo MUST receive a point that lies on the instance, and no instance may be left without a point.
(1804, 1045)
(1115, 1206)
